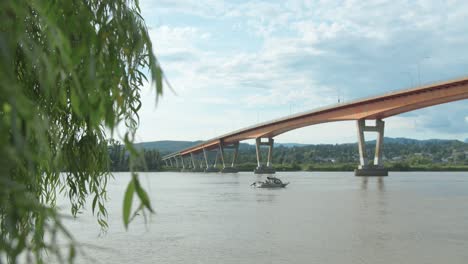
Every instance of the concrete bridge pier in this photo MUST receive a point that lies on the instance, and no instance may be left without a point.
(209, 167)
(201, 163)
(184, 168)
(189, 166)
(192, 158)
(377, 168)
(176, 161)
(232, 168)
(185, 163)
(195, 167)
(262, 168)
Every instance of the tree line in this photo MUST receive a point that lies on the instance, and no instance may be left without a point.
(413, 155)
(147, 159)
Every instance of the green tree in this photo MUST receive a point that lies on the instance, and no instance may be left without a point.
(70, 72)
(118, 157)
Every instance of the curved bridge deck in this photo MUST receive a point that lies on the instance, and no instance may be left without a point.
(377, 107)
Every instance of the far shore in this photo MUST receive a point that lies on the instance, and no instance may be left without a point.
(249, 167)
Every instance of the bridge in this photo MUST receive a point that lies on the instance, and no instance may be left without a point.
(374, 108)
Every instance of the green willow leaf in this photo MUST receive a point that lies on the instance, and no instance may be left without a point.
(127, 203)
(142, 195)
(94, 202)
(70, 73)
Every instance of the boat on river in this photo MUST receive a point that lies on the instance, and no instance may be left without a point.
(270, 182)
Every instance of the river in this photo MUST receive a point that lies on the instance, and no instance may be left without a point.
(321, 217)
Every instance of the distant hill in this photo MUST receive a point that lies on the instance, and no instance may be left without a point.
(466, 140)
(167, 146)
(290, 145)
(416, 141)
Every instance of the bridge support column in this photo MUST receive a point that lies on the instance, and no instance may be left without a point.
(215, 163)
(195, 168)
(176, 162)
(188, 166)
(183, 163)
(232, 168)
(236, 153)
(261, 168)
(201, 163)
(210, 168)
(205, 155)
(377, 168)
(188, 163)
(193, 160)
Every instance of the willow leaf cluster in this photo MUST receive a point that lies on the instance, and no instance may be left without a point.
(70, 72)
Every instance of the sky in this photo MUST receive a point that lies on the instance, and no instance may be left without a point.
(232, 64)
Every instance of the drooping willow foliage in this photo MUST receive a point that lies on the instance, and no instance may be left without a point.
(70, 71)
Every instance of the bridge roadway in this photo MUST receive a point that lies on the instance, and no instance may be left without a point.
(373, 108)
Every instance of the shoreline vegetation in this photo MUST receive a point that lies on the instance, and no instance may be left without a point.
(249, 167)
(400, 154)
(153, 163)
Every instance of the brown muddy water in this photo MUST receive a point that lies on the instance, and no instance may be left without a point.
(321, 217)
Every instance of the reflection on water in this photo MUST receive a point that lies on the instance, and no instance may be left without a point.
(380, 183)
(319, 218)
(269, 196)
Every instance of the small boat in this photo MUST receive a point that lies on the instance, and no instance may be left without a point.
(271, 182)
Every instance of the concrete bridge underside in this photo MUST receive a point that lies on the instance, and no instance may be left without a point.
(373, 108)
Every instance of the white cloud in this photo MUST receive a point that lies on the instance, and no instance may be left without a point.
(301, 53)
(204, 8)
(168, 40)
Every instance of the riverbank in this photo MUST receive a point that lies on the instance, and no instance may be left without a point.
(349, 167)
